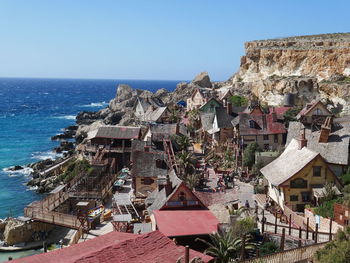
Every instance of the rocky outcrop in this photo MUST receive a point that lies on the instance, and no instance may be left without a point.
(121, 109)
(311, 67)
(16, 231)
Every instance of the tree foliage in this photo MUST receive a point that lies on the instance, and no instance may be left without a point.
(249, 154)
(336, 251)
(238, 101)
(225, 247)
(291, 115)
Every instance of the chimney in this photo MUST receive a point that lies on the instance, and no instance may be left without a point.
(325, 130)
(264, 121)
(229, 108)
(274, 115)
(302, 140)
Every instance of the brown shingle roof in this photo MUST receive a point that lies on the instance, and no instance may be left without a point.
(118, 132)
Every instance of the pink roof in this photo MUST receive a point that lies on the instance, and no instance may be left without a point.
(118, 247)
(150, 247)
(72, 253)
(185, 222)
(280, 111)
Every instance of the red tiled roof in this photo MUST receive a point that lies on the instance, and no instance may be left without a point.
(174, 223)
(272, 127)
(118, 247)
(151, 247)
(280, 111)
(72, 253)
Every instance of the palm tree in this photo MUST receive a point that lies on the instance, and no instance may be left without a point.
(186, 161)
(174, 115)
(182, 141)
(192, 181)
(224, 247)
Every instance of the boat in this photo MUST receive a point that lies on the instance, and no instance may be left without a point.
(107, 214)
(97, 211)
(119, 183)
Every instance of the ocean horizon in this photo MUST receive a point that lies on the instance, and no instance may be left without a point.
(34, 109)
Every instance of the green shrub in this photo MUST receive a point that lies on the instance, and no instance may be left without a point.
(345, 178)
(74, 168)
(244, 226)
(238, 101)
(326, 208)
(268, 248)
(249, 154)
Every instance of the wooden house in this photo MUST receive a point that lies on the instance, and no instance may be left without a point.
(147, 168)
(177, 212)
(331, 140)
(254, 125)
(295, 173)
(314, 113)
(143, 104)
(198, 98)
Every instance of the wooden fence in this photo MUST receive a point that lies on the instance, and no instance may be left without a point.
(296, 219)
(289, 256)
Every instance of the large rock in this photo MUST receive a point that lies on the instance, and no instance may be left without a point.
(202, 80)
(124, 92)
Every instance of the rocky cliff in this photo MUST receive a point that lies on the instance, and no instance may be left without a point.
(312, 67)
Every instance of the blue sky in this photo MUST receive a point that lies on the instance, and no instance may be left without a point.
(149, 39)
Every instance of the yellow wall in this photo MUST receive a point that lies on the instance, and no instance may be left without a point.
(307, 174)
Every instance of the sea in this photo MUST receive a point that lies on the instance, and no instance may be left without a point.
(33, 110)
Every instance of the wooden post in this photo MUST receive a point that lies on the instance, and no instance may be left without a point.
(263, 225)
(307, 228)
(45, 247)
(283, 239)
(290, 224)
(299, 231)
(276, 223)
(316, 233)
(187, 254)
(330, 230)
(299, 243)
(242, 248)
(263, 214)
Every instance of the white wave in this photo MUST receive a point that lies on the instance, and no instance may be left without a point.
(32, 188)
(46, 155)
(96, 104)
(67, 117)
(26, 171)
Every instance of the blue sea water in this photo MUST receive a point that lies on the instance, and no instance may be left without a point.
(33, 110)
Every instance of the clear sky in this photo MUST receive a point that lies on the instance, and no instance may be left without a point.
(149, 39)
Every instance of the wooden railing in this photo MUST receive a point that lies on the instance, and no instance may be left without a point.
(289, 256)
(297, 220)
(51, 217)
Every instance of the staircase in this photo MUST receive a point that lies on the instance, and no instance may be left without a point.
(168, 148)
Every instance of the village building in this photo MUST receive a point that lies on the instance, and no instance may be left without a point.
(143, 104)
(157, 133)
(314, 113)
(211, 105)
(199, 97)
(177, 212)
(111, 142)
(295, 173)
(147, 167)
(224, 96)
(119, 247)
(341, 214)
(217, 126)
(331, 140)
(159, 115)
(266, 129)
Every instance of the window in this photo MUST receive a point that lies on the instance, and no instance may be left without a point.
(266, 137)
(147, 181)
(305, 196)
(318, 112)
(251, 124)
(294, 198)
(298, 183)
(182, 196)
(275, 138)
(317, 171)
(266, 147)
